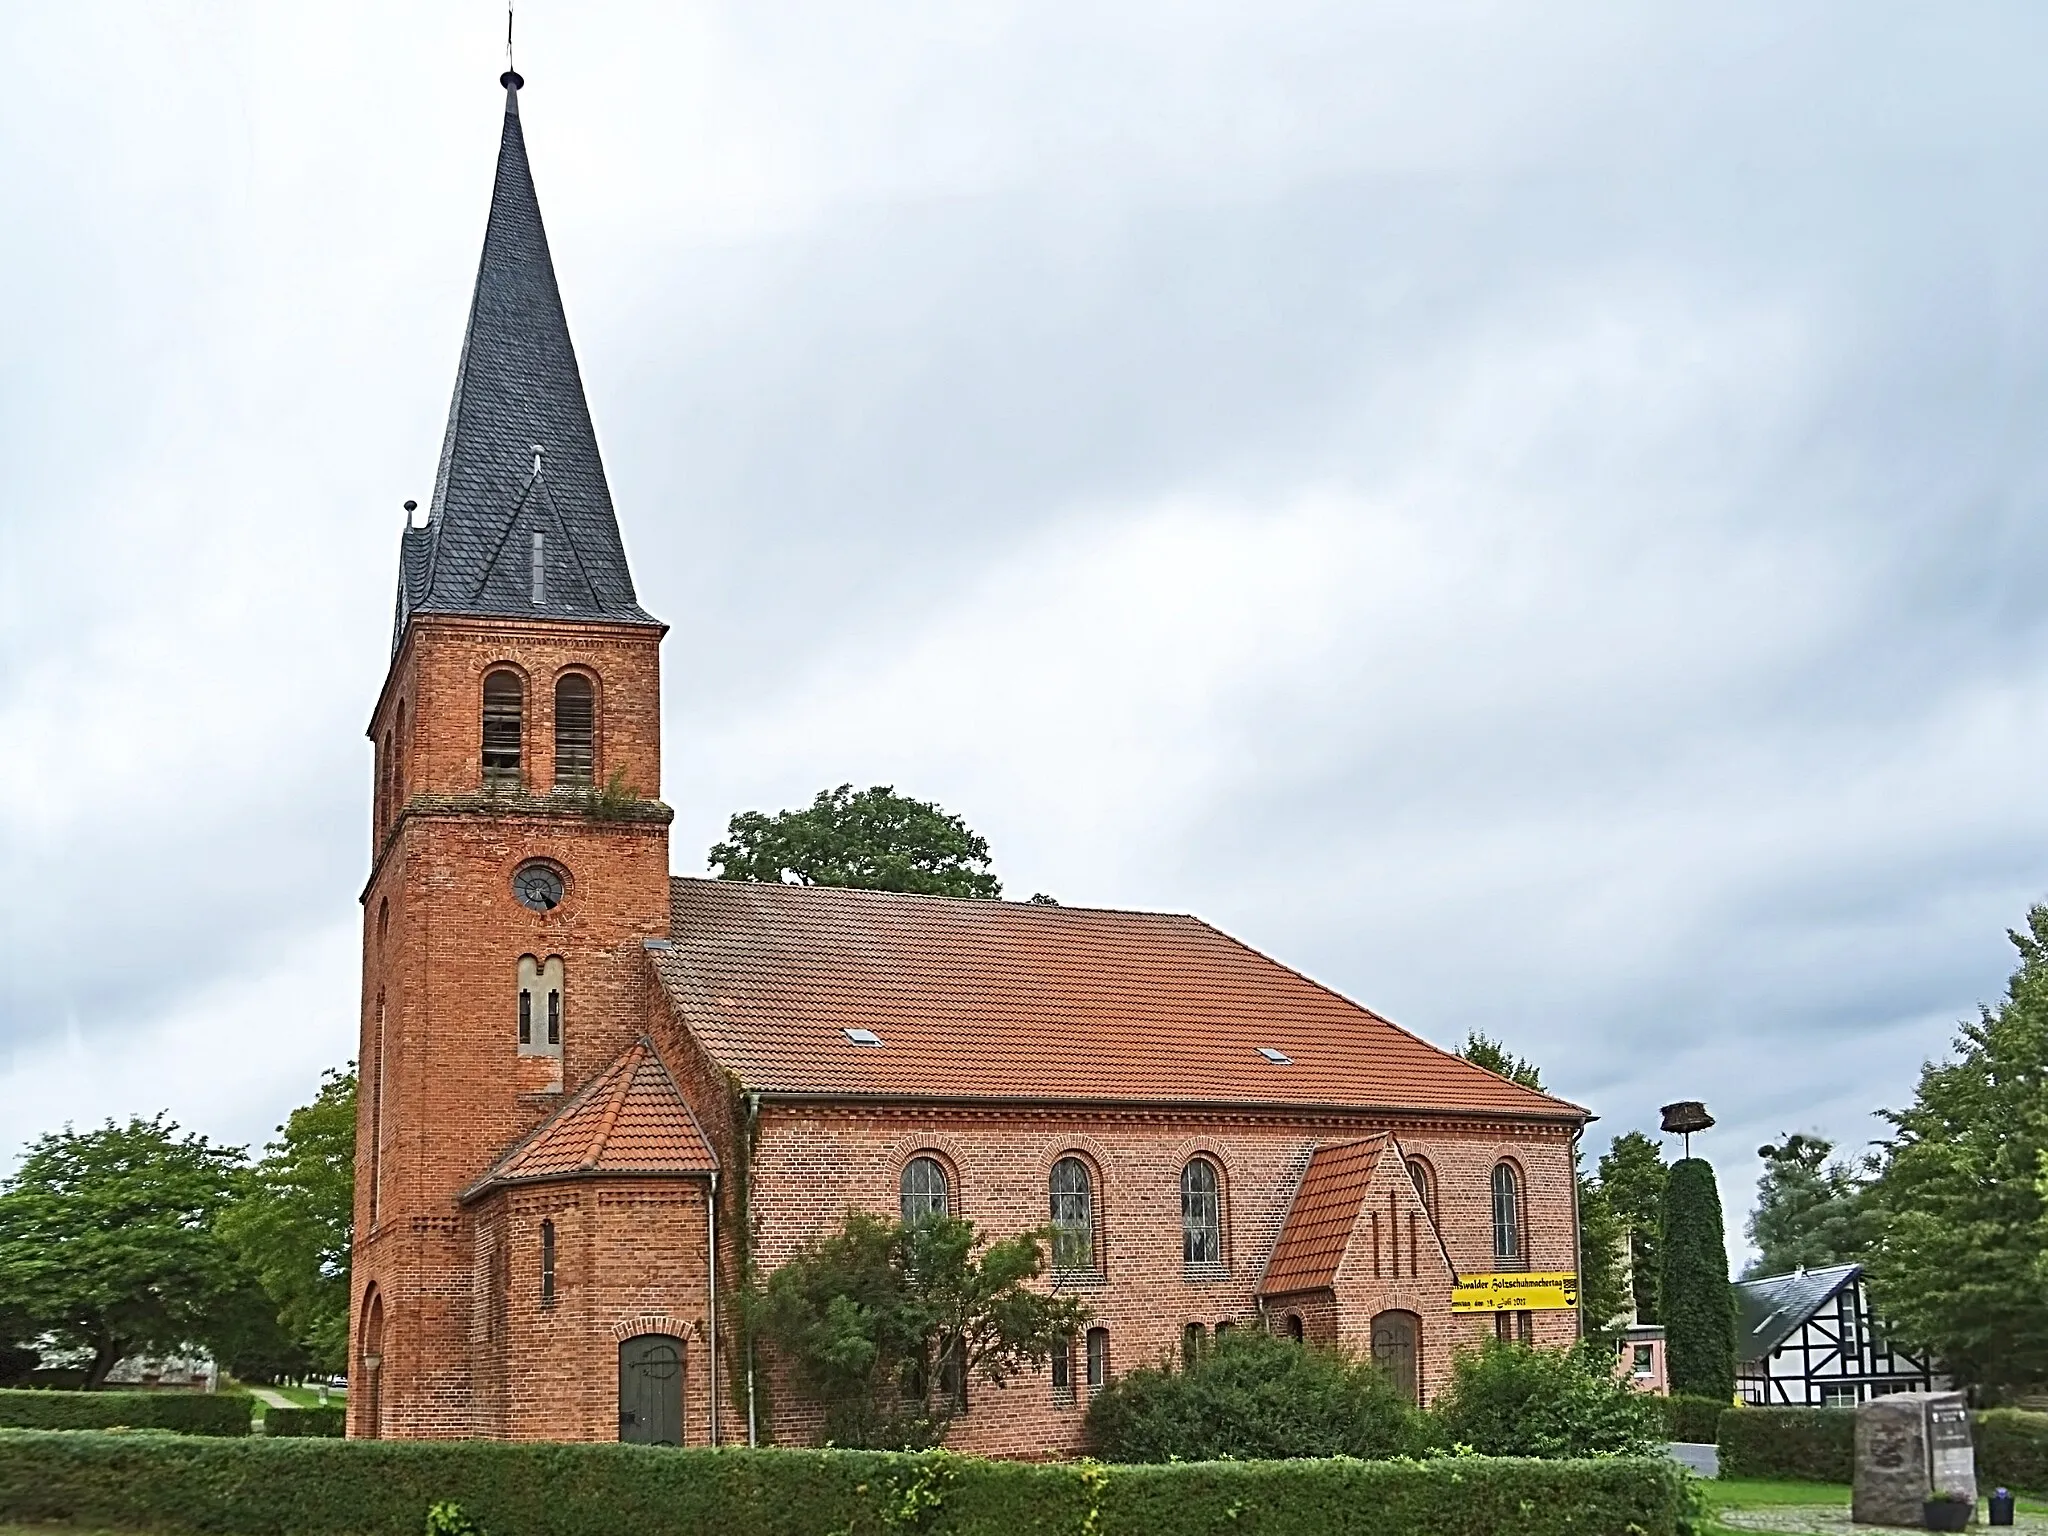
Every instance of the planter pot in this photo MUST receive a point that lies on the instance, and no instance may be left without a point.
(1946, 1514)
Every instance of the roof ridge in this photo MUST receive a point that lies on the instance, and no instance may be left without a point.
(982, 903)
(628, 1068)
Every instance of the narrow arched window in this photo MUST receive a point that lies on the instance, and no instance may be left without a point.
(384, 798)
(1201, 1214)
(541, 986)
(504, 721)
(1507, 1212)
(1194, 1339)
(547, 1263)
(924, 1190)
(1295, 1332)
(1098, 1359)
(398, 763)
(1063, 1368)
(1073, 1217)
(575, 732)
(1425, 1185)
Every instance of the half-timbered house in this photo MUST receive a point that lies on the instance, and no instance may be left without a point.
(1809, 1339)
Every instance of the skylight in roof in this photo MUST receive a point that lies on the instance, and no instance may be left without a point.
(1279, 1058)
(863, 1036)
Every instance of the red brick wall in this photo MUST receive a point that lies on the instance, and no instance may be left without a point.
(444, 1089)
(815, 1163)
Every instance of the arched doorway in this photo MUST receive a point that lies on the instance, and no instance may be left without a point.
(370, 1359)
(651, 1390)
(1395, 1350)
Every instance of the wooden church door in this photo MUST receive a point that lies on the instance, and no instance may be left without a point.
(651, 1390)
(1393, 1351)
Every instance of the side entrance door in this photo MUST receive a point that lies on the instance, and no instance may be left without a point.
(1393, 1351)
(651, 1390)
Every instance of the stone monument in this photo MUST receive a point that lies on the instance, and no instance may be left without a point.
(1908, 1446)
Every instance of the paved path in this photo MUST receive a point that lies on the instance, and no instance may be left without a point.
(1833, 1520)
(1701, 1460)
(270, 1399)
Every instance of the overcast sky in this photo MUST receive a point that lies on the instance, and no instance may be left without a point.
(1530, 514)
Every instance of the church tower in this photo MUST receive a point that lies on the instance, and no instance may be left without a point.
(519, 846)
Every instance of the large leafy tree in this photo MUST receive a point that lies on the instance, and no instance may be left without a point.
(109, 1240)
(1958, 1267)
(870, 839)
(1633, 1174)
(294, 1227)
(1697, 1300)
(888, 1326)
(1809, 1211)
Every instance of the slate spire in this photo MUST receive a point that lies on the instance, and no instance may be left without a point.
(521, 524)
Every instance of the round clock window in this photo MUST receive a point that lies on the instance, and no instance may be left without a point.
(538, 886)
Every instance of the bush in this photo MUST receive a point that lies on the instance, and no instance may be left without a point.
(324, 1422)
(1255, 1397)
(1811, 1445)
(2012, 1449)
(258, 1487)
(186, 1413)
(1512, 1400)
(1691, 1420)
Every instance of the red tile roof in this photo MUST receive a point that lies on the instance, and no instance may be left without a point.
(997, 999)
(630, 1119)
(1320, 1220)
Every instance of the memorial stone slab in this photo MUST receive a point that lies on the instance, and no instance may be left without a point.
(1907, 1446)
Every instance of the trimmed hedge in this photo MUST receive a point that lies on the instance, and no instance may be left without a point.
(184, 1413)
(1692, 1420)
(1804, 1445)
(384, 1488)
(2012, 1449)
(320, 1423)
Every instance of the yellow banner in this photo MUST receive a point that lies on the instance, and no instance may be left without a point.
(1515, 1292)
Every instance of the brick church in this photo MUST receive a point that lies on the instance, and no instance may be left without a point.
(594, 1094)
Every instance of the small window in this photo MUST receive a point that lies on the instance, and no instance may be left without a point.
(547, 1263)
(1645, 1360)
(1295, 1332)
(1507, 1212)
(1098, 1359)
(924, 1190)
(575, 732)
(1063, 1368)
(540, 569)
(1525, 1327)
(1201, 1214)
(504, 722)
(1278, 1058)
(1425, 1185)
(383, 917)
(1223, 1328)
(1194, 1341)
(541, 989)
(1073, 1218)
(862, 1036)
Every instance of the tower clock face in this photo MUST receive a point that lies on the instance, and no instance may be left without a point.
(538, 886)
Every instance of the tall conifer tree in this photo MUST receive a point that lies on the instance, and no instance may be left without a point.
(1697, 1302)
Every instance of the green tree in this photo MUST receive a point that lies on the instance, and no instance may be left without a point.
(108, 1240)
(1604, 1297)
(295, 1226)
(1632, 1177)
(1255, 1397)
(1495, 1057)
(1958, 1267)
(871, 839)
(887, 1326)
(1809, 1212)
(1697, 1301)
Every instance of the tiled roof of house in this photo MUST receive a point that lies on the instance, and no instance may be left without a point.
(1770, 1310)
(1320, 1220)
(1006, 1000)
(517, 388)
(630, 1119)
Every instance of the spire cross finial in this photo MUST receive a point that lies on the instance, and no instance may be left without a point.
(511, 79)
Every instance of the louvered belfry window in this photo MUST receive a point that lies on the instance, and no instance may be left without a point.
(504, 716)
(575, 732)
